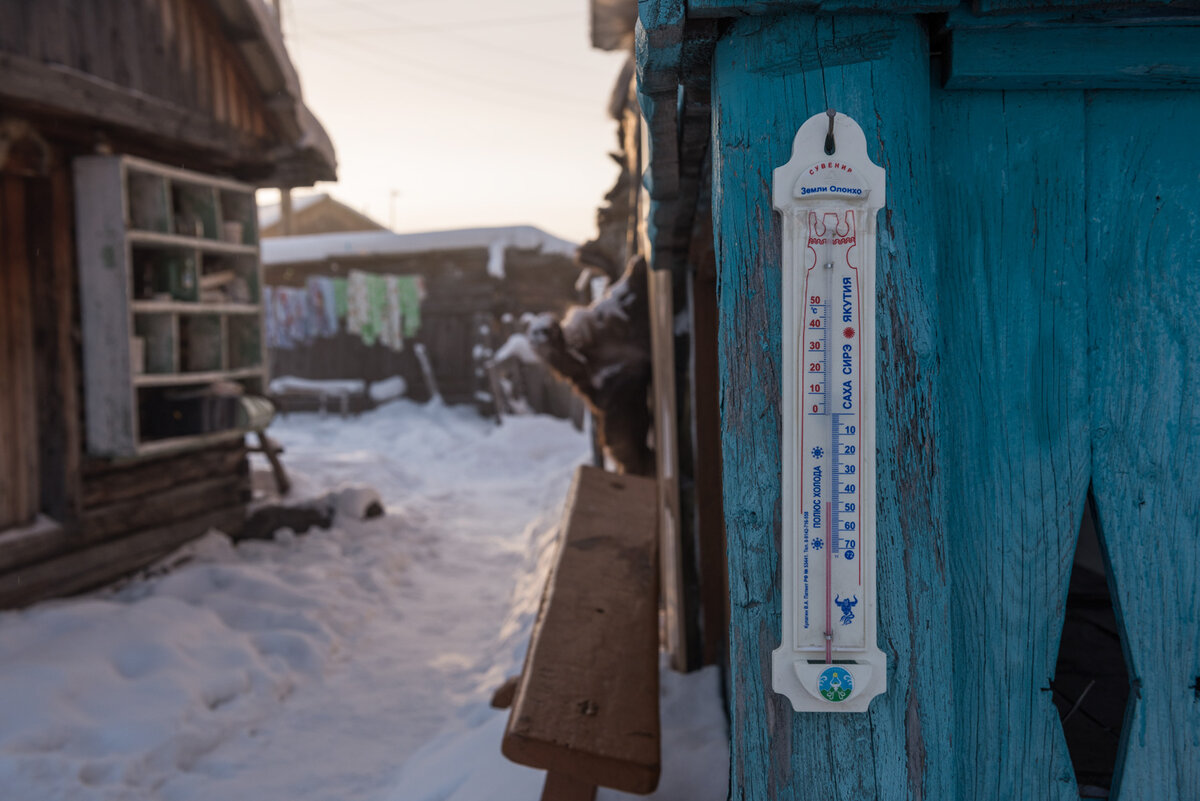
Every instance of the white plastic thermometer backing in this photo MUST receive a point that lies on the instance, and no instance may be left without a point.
(829, 659)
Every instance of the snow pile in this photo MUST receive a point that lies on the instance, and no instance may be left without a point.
(387, 389)
(339, 386)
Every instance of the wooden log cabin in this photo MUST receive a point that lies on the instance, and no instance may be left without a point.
(475, 280)
(132, 136)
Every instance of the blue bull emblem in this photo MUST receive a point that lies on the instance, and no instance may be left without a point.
(846, 605)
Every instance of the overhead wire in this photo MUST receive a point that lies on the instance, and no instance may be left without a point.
(446, 32)
(439, 73)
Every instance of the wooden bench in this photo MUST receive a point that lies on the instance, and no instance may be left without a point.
(586, 705)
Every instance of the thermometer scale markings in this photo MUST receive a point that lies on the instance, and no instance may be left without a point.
(833, 234)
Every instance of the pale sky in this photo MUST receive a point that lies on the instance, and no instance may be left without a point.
(476, 112)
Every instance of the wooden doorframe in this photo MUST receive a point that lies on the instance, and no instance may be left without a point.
(39, 410)
(19, 471)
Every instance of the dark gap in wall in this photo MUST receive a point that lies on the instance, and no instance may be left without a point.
(1091, 684)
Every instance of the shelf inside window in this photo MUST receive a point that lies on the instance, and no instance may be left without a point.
(149, 202)
(180, 241)
(178, 413)
(165, 273)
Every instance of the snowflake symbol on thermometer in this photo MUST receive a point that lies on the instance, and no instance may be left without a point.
(818, 453)
(818, 543)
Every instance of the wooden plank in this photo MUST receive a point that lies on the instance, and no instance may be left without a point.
(52, 277)
(560, 787)
(166, 506)
(182, 44)
(706, 421)
(587, 704)
(10, 498)
(1076, 6)
(897, 751)
(201, 60)
(20, 393)
(1143, 247)
(102, 522)
(104, 304)
(106, 481)
(1013, 420)
(216, 66)
(677, 615)
(66, 89)
(739, 8)
(93, 567)
(1078, 56)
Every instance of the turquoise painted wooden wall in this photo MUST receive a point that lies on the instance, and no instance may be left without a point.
(1039, 334)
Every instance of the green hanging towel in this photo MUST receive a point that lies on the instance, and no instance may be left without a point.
(410, 304)
(377, 307)
(339, 297)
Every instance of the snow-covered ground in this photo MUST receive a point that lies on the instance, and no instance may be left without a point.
(352, 663)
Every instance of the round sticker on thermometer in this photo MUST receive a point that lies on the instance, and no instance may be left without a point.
(828, 195)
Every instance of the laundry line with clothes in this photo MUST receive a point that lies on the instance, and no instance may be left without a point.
(380, 309)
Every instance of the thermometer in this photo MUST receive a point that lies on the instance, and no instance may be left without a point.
(827, 196)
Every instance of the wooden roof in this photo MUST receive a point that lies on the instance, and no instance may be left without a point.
(204, 83)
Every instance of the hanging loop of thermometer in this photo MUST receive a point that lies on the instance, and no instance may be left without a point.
(829, 658)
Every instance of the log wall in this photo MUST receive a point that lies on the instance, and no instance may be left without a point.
(133, 513)
(95, 520)
(168, 50)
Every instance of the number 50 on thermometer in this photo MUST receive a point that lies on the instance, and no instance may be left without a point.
(828, 195)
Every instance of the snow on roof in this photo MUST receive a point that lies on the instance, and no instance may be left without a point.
(269, 213)
(318, 247)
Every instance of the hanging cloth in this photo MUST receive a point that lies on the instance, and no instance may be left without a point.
(339, 297)
(270, 329)
(357, 306)
(322, 306)
(295, 318)
(410, 292)
(391, 335)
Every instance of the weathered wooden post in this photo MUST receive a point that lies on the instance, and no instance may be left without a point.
(1037, 339)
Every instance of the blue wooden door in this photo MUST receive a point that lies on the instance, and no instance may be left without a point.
(1039, 338)
(1069, 284)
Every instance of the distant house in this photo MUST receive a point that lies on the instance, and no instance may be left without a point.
(313, 214)
(132, 138)
(475, 285)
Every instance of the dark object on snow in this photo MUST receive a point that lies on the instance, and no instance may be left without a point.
(603, 350)
(263, 524)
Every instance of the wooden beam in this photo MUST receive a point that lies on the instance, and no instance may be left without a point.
(106, 480)
(19, 493)
(66, 90)
(177, 503)
(1075, 57)
(561, 787)
(706, 435)
(741, 8)
(86, 569)
(587, 703)
(52, 269)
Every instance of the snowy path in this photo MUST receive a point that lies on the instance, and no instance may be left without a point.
(351, 664)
